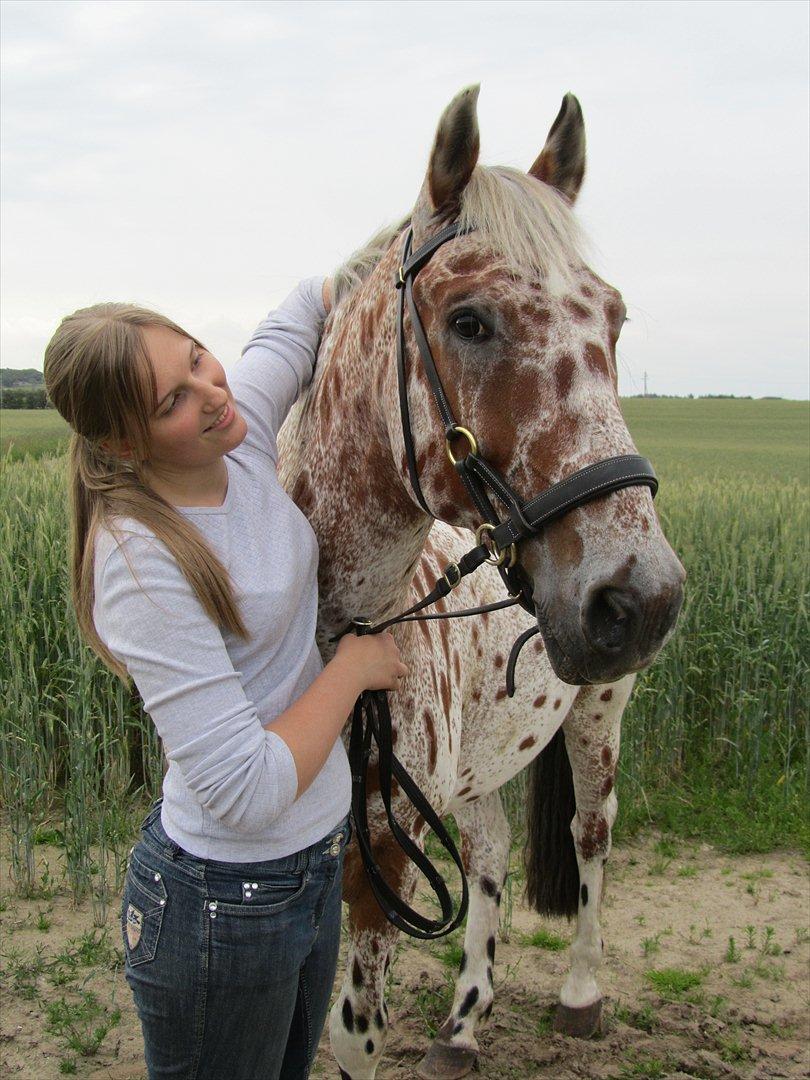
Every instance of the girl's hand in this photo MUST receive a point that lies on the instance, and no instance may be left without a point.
(374, 658)
(327, 295)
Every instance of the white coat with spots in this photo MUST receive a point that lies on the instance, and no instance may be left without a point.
(523, 335)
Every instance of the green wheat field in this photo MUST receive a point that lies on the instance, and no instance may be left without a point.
(715, 740)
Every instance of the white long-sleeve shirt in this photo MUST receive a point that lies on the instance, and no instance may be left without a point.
(229, 793)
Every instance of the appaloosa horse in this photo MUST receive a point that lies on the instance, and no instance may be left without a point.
(523, 335)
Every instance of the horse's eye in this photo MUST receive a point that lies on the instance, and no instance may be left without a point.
(469, 326)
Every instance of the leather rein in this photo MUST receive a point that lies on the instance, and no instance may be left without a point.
(496, 541)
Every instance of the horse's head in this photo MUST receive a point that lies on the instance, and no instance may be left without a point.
(524, 337)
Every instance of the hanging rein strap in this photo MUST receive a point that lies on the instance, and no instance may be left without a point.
(371, 720)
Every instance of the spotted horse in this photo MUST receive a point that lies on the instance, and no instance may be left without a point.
(523, 335)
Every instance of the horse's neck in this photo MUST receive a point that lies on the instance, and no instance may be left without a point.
(338, 465)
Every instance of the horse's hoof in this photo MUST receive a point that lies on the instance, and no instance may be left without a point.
(446, 1062)
(582, 1023)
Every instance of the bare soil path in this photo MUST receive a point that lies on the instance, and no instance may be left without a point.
(681, 998)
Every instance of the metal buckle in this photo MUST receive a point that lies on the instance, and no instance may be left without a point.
(468, 435)
(457, 570)
(501, 555)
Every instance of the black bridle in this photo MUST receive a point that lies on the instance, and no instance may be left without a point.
(372, 718)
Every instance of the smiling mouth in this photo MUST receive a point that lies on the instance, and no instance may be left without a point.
(223, 418)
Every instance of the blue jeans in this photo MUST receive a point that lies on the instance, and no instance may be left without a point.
(231, 964)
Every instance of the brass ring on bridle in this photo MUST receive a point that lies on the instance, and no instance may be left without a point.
(498, 556)
(468, 435)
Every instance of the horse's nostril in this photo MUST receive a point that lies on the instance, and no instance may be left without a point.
(610, 619)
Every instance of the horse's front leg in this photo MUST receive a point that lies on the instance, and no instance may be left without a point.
(485, 838)
(358, 1022)
(592, 730)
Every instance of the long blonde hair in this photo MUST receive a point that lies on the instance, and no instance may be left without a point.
(99, 376)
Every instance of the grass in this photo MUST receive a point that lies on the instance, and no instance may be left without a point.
(75, 1017)
(673, 983)
(643, 1019)
(32, 433)
(546, 939)
(82, 1024)
(646, 1066)
(726, 440)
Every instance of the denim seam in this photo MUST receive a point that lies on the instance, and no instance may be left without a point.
(306, 1011)
(202, 994)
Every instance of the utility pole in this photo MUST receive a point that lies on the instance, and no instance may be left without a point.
(645, 384)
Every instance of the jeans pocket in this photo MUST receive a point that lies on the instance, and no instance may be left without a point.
(142, 909)
(260, 894)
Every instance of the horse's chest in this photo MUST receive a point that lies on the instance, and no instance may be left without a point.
(460, 707)
(502, 735)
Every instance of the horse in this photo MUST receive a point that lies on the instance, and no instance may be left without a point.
(524, 336)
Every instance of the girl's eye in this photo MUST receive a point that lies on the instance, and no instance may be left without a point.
(469, 327)
(179, 394)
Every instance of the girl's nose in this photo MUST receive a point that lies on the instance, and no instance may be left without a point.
(217, 396)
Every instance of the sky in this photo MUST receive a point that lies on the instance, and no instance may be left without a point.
(199, 158)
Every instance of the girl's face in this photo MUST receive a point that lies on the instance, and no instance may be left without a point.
(196, 420)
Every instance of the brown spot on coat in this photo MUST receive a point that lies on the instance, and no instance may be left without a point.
(606, 756)
(444, 684)
(302, 493)
(498, 660)
(577, 310)
(594, 835)
(527, 742)
(430, 732)
(564, 375)
(596, 360)
(606, 695)
(540, 701)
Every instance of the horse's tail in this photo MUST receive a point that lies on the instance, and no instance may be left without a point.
(552, 874)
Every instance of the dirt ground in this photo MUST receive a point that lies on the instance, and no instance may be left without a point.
(681, 998)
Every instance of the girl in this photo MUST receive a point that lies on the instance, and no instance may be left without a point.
(194, 574)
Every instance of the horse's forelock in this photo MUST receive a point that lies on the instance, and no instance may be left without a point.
(527, 222)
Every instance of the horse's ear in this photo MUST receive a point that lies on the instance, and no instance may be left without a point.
(562, 160)
(455, 151)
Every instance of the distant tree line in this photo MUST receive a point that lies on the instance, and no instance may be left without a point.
(23, 389)
(692, 397)
(24, 397)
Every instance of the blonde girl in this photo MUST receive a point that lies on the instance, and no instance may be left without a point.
(195, 575)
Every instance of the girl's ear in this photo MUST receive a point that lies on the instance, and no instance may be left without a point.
(120, 449)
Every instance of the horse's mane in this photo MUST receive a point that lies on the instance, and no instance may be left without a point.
(529, 222)
(359, 265)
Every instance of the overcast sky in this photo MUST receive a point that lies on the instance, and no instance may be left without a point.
(200, 157)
